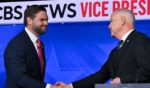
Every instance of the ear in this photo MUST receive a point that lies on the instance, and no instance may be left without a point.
(123, 20)
(29, 20)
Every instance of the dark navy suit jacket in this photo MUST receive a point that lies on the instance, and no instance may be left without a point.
(133, 64)
(22, 64)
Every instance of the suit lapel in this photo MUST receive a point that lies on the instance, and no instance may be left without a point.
(32, 50)
(112, 62)
(124, 47)
(30, 44)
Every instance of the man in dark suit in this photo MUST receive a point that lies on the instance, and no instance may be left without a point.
(129, 62)
(24, 57)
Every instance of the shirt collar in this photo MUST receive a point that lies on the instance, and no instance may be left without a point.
(31, 35)
(126, 35)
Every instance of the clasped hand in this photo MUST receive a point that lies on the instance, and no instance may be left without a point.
(61, 85)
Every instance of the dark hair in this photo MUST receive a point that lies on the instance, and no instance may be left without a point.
(31, 12)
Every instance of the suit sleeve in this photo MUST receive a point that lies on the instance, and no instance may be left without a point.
(142, 56)
(99, 77)
(15, 64)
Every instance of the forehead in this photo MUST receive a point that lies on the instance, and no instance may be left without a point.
(42, 14)
(114, 16)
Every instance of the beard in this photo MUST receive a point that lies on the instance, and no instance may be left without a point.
(38, 29)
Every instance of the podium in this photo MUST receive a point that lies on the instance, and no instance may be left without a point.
(135, 85)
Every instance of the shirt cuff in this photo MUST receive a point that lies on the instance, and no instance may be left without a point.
(48, 85)
(71, 85)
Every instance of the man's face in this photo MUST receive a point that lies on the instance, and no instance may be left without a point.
(40, 22)
(115, 25)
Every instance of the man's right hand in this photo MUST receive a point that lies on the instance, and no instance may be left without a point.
(61, 85)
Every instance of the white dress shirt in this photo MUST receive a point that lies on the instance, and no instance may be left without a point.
(126, 35)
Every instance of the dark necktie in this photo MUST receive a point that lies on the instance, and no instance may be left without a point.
(40, 54)
(120, 43)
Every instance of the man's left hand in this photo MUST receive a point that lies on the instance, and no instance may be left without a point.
(116, 81)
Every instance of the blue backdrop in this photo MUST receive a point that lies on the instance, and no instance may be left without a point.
(73, 50)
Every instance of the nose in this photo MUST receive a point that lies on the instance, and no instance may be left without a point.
(46, 22)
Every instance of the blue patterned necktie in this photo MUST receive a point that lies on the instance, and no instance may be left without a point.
(120, 43)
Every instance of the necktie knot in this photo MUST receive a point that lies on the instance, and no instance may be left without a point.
(38, 41)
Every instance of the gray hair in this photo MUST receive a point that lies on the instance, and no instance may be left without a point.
(127, 13)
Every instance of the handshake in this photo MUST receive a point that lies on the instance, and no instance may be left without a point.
(61, 85)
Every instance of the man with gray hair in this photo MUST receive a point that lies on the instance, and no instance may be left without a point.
(129, 61)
